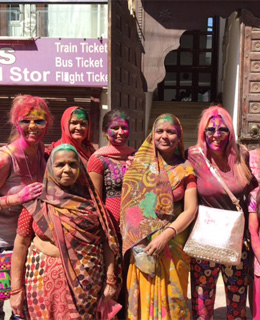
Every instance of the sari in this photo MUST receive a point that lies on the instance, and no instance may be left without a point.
(84, 152)
(77, 223)
(147, 208)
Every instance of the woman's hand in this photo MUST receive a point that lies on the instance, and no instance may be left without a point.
(30, 192)
(156, 246)
(109, 292)
(16, 302)
(129, 161)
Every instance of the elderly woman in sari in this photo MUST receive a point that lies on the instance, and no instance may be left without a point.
(75, 130)
(72, 258)
(159, 201)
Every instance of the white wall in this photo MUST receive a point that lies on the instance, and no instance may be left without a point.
(230, 76)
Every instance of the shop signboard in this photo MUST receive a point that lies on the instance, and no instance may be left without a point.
(54, 62)
(53, 1)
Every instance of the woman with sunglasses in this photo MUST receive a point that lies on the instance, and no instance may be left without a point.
(22, 164)
(216, 138)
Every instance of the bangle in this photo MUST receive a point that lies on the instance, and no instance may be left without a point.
(7, 201)
(111, 283)
(15, 291)
(170, 227)
(111, 276)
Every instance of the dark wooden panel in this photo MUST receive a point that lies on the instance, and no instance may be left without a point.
(249, 107)
(125, 82)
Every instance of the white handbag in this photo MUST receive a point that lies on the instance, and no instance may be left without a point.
(217, 234)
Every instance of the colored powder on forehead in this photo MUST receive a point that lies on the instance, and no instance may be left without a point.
(80, 114)
(117, 121)
(36, 113)
(123, 116)
(216, 120)
(165, 119)
(64, 147)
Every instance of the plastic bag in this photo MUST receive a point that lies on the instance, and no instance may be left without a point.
(144, 262)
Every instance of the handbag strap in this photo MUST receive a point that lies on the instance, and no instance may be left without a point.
(217, 175)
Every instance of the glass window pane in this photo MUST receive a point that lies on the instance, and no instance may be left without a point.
(91, 20)
(185, 95)
(204, 95)
(171, 58)
(169, 94)
(170, 79)
(187, 41)
(208, 26)
(204, 79)
(186, 58)
(205, 58)
(206, 42)
(185, 79)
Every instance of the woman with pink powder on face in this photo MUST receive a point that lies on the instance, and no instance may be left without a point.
(22, 163)
(216, 138)
(107, 166)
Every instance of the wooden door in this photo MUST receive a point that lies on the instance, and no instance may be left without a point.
(125, 90)
(249, 108)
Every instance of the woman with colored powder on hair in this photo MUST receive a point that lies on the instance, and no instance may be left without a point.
(159, 201)
(216, 137)
(72, 259)
(22, 163)
(75, 130)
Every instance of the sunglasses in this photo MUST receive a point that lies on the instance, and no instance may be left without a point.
(211, 131)
(41, 123)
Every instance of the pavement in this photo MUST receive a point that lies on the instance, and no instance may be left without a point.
(219, 310)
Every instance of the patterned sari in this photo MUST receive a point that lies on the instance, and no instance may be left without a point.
(147, 207)
(78, 225)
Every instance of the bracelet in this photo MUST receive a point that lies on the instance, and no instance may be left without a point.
(170, 227)
(111, 276)
(15, 291)
(6, 201)
(111, 283)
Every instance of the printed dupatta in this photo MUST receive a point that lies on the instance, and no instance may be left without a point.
(115, 152)
(147, 203)
(72, 221)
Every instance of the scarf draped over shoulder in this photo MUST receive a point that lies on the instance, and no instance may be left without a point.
(115, 152)
(147, 203)
(73, 220)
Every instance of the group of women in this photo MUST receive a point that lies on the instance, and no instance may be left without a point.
(79, 223)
